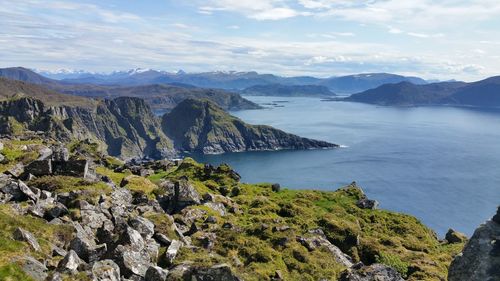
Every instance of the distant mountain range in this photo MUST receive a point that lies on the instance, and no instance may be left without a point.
(161, 97)
(233, 80)
(484, 93)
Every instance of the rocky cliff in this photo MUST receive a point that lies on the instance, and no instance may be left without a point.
(202, 126)
(124, 127)
(480, 259)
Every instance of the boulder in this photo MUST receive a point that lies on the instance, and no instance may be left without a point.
(162, 239)
(58, 210)
(189, 215)
(35, 269)
(45, 153)
(87, 249)
(26, 236)
(317, 239)
(60, 153)
(39, 168)
(172, 250)
(276, 187)
(453, 236)
(132, 262)
(2, 159)
(145, 227)
(180, 195)
(218, 207)
(480, 258)
(365, 203)
(156, 273)
(374, 272)
(93, 216)
(133, 239)
(1, 146)
(220, 272)
(180, 272)
(17, 170)
(105, 270)
(71, 263)
(72, 168)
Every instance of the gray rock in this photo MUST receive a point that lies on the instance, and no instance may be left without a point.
(220, 272)
(87, 249)
(276, 187)
(207, 240)
(132, 238)
(39, 168)
(189, 215)
(453, 236)
(26, 236)
(121, 197)
(1, 146)
(58, 210)
(374, 272)
(58, 252)
(17, 170)
(72, 168)
(145, 227)
(162, 239)
(316, 240)
(182, 271)
(2, 158)
(218, 207)
(105, 270)
(172, 250)
(367, 204)
(182, 194)
(156, 273)
(34, 268)
(71, 263)
(44, 153)
(480, 258)
(132, 262)
(30, 193)
(60, 153)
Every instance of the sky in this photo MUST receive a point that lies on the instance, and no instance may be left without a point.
(447, 39)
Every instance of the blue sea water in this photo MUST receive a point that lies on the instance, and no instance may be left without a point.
(440, 164)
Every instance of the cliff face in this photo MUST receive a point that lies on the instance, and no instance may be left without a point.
(126, 127)
(202, 126)
(480, 259)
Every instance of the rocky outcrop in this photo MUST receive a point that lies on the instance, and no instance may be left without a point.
(374, 272)
(201, 126)
(125, 127)
(480, 259)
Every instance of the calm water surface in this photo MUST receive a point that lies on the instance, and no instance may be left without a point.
(441, 164)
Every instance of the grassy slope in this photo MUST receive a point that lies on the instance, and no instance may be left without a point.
(395, 239)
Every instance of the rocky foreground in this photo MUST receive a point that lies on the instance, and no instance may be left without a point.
(74, 213)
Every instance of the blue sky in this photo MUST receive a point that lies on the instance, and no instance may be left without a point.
(432, 39)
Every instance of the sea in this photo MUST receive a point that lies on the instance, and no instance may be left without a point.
(440, 164)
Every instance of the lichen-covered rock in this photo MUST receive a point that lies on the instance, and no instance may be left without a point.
(317, 238)
(480, 258)
(156, 273)
(366, 203)
(35, 269)
(219, 272)
(453, 236)
(144, 226)
(172, 250)
(26, 236)
(71, 263)
(374, 272)
(105, 270)
(87, 249)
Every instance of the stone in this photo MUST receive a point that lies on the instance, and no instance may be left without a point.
(146, 172)
(121, 197)
(156, 273)
(30, 193)
(60, 153)
(87, 249)
(317, 240)
(162, 239)
(17, 170)
(180, 272)
(39, 168)
(207, 240)
(35, 269)
(73, 168)
(58, 210)
(58, 252)
(211, 219)
(220, 272)
(218, 207)
(278, 276)
(367, 204)
(132, 262)
(45, 153)
(1, 146)
(26, 236)
(374, 272)
(105, 270)
(496, 217)
(71, 263)
(92, 216)
(172, 250)
(132, 238)
(276, 187)
(190, 215)
(480, 258)
(453, 237)
(145, 227)
(181, 195)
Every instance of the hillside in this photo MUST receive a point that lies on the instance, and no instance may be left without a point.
(183, 220)
(362, 82)
(288, 91)
(124, 127)
(202, 126)
(13, 88)
(484, 93)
